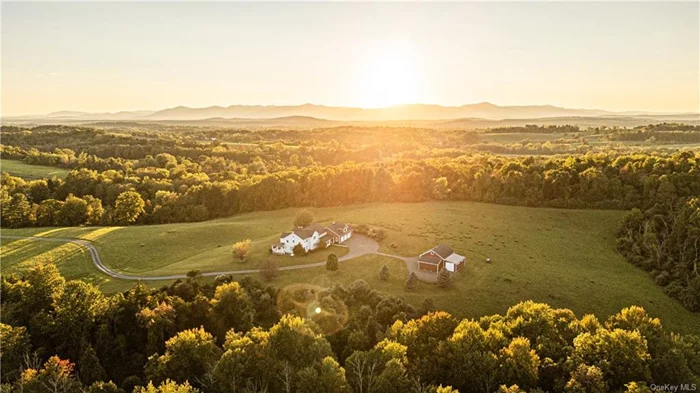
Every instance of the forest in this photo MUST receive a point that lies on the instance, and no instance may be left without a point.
(226, 336)
(66, 336)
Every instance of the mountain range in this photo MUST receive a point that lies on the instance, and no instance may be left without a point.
(484, 110)
(481, 114)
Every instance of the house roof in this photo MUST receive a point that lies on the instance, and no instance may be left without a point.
(337, 228)
(285, 234)
(443, 250)
(432, 259)
(276, 245)
(325, 237)
(308, 231)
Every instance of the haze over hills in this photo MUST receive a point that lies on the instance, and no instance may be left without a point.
(484, 110)
(309, 115)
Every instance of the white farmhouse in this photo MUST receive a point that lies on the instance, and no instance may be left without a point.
(311, 237)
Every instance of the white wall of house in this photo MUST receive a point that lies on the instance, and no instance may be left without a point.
(289, 242)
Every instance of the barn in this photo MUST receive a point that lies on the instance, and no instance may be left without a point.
(440, 257)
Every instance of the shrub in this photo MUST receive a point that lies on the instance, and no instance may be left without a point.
(269, 271)
(303, 218)
(332, 262)
(376, 234)
(299, 250)
(194, 273)
(411, 281)
(240, 249)
(223, 279)
(444, 279)
(384, 273)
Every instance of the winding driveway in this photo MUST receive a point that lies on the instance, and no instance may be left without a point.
(358, 246)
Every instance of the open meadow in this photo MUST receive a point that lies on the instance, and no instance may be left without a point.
(29, 171)
(566, 258)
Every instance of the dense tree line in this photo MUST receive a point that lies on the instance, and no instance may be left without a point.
(537, 129)
(665, 240)
(658, 133)
(165, 188)
(66, 336)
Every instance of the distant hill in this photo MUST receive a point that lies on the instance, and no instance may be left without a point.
(483, 110)
(481, 115)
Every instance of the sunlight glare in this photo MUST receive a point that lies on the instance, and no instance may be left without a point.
(389, 77)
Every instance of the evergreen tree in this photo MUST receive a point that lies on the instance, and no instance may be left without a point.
(444, 279)
(384, 273)
(332, 262)
(411, 281)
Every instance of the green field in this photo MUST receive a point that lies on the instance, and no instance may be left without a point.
(27, 171)
(566, 258)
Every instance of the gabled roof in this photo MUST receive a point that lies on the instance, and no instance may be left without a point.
(432, 259)
(443, 250)
(440, 253)
(308, 231)
(285, 234)
(337, 228)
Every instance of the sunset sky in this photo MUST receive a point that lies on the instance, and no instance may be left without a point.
(129, 56)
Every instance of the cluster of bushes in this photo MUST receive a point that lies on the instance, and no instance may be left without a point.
(66, 336)
(373, 233)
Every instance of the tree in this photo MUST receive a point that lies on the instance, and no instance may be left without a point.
(74, 211)
(304, 218)
(104, 387)
(90, 369)
(586, 379)
(637, 387)
(299, 250)
(95, 211)
(57, 375)
(188, 356)
(231, 309)
(128, 207)
(440, 188)
(167, 387)
(332, 262)
(269, 271)
(621, 355)
(470, 357)
(519, 364)
(240, 249)
(49, 213)
(17, 212)
(326, 377)
(15, 344)
(411, 281)
(444, 279)
(76, 311)
(384, 273)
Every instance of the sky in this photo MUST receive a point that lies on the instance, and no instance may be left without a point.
(99, 57)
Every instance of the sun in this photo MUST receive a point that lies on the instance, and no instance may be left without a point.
(388, 77)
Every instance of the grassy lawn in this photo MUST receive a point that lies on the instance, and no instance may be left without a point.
(566, 258)
(27, 171)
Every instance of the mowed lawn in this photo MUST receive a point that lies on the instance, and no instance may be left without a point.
(27, 171)
(566, 258)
